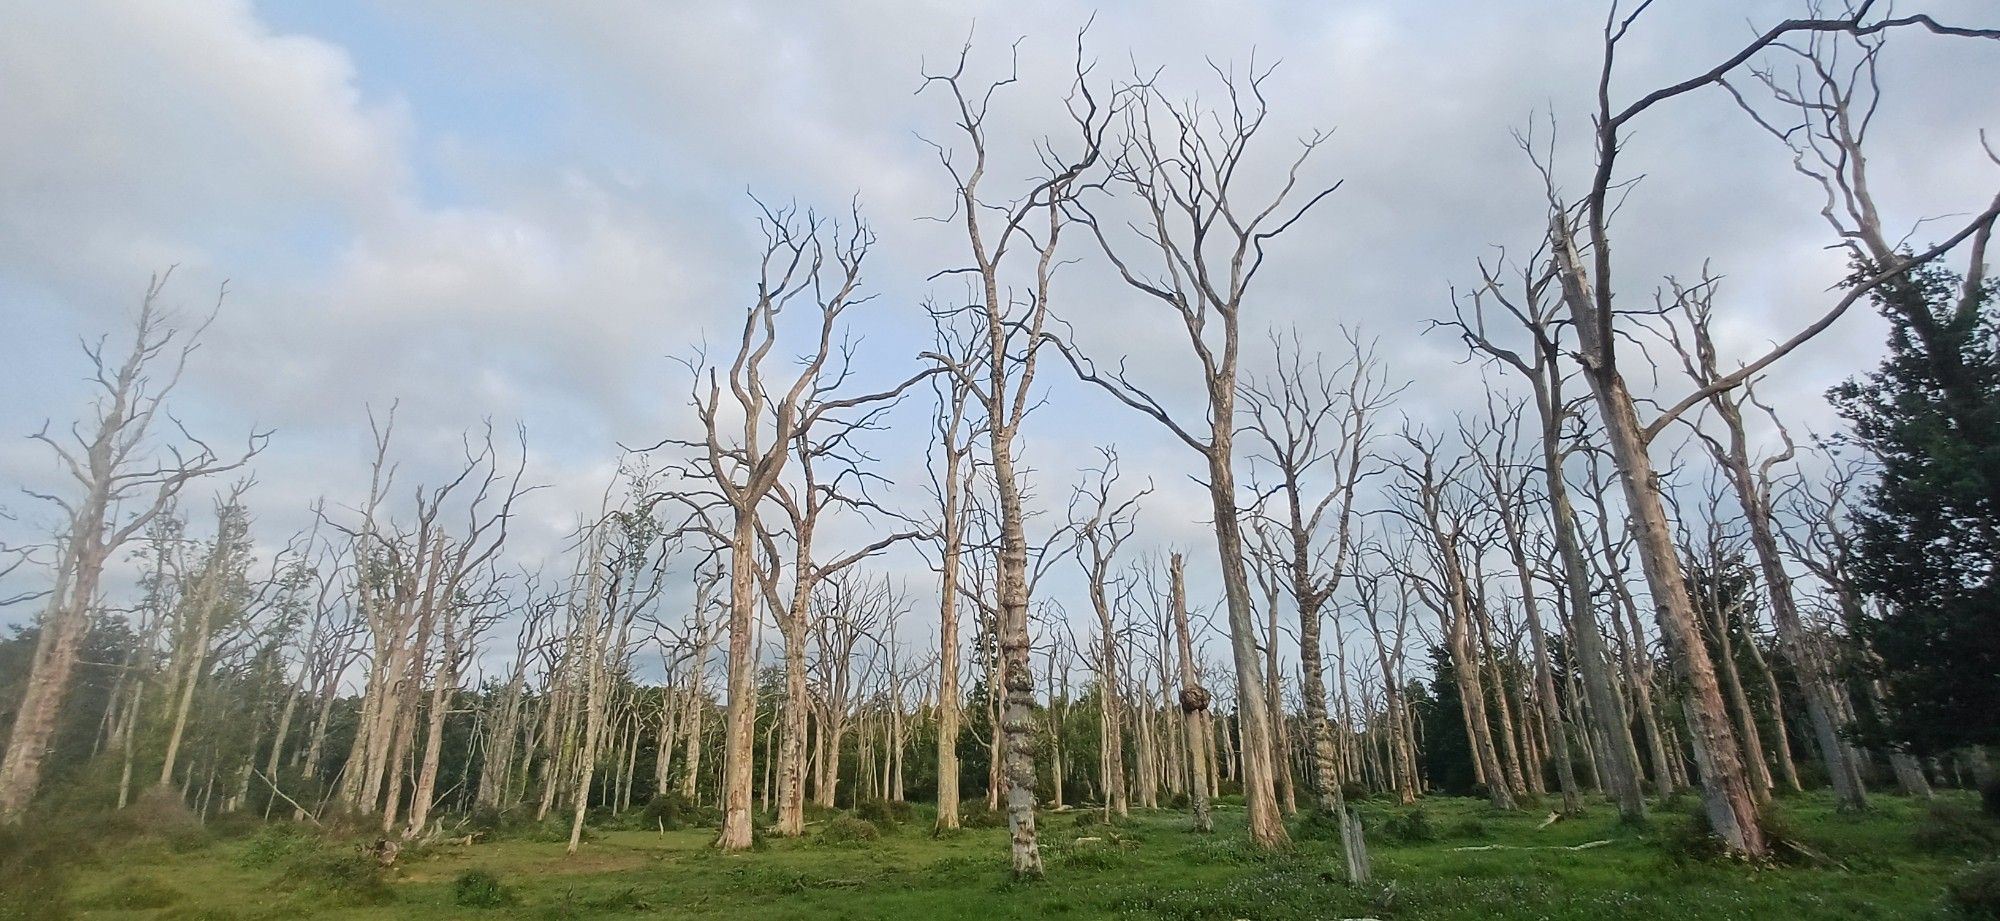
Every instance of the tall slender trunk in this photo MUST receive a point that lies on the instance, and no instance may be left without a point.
(1194, 701)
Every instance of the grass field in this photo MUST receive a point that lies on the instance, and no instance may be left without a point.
(1878, 865)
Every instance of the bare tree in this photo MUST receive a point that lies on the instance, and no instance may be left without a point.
(1102, 524)
(1316, 426)
(806, 260)
(1588, 290)
(124, 479)
(1011, 324)
(1180, 165)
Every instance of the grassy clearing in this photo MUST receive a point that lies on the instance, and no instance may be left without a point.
(1875, 866)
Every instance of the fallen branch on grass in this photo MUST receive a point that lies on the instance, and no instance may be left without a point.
(1587, 845)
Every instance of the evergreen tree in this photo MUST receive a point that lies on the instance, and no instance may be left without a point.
(1928, 532)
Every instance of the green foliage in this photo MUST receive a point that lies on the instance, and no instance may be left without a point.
(32, 877)
(1474, 828)
(1315, 825)
(1410, 827)
(881, 814)
(1927, 539)
(1690, 838)
(671, 810)
(974, 814)
(188, 912)
(477, 888)
(275, 844)
(1950, 829)
(1975, 893)
(846, 829)
(136, 893)
(337, 876)
(154, 817)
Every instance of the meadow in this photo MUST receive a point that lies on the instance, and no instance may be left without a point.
(1447, 858)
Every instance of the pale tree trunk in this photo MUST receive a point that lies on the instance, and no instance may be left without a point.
(1194, 701)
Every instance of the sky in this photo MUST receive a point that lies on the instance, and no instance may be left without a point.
(526, 213)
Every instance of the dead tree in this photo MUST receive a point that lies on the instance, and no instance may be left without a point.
(806, 261)
(1821, 542)
(1194, 703)
(955, 429)
(1588, 290)
(1102, 524)
(124, 479)
(1203, 247)
(1750, 480)
(1315, 427)
(1506, 488)
(1011, 324)
(1431, 501)
(1542, 364)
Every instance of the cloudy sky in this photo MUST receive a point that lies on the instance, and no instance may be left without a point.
(524, 212)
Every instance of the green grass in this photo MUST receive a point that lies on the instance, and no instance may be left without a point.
(1149, 866)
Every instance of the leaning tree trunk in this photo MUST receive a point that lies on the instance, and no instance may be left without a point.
(1260, 800)
(1732, 810)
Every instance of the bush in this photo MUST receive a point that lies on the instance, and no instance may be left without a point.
(1412, 827)
(1975, 893)
(1085, 818)
(1691, 839)
(478, 888)
(155, 816)
(1088, 855)
(1315, 825)
(31, 878)
(878, 813)
(275, 844)
(1179, 801)
(347, 876)
(1948, 829)
(975, 815)
(136, 893)
(1470, 828)
(847, 829)
(1350, 791)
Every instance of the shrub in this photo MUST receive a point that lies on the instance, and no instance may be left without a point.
(1412, 827)
(877, 813)
(136, 893)
(274, 844)
(1975, 893)
(1691, 839)
(1085, 818)
(1089, 855)
(478, 888)
(1179, 801)
(1948, 829)
(338, 876)
(1315, 825)
(155, 816)
(975, 815)
(847, 829)
(1470, 828)
(31, 878)
(1350, 790)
